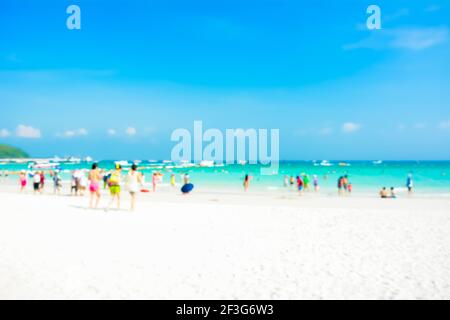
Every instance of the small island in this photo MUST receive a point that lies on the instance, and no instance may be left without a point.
(9, 152)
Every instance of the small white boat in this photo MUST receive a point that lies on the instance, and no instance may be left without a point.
(88, 159)
(73, 160)
(377, 162)
(44, 166)
(344, 164)
(123, 163)
(207, 164)
(326, 163)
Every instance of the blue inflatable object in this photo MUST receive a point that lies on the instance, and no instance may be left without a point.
(187, 188)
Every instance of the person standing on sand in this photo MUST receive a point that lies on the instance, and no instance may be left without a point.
(134, 180)
(57, 184)
(42, 184)
(286, 181)
(95, 177)
(172, 180)
(73, 185)
(300, 184)
(36, 182)
(114, 186)
(247, 182)
(154, 181)
(306, 181)
(23, 180)
(410, 183)
(186, 178)
(340, 185)
(316, 183)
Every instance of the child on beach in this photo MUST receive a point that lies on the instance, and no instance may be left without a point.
(292, 181)
(393, 194)
(134, 181)
(172, 180)
(94, 186)
(383, 193)
(23, 181)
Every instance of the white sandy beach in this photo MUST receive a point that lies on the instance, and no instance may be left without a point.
(216, 246)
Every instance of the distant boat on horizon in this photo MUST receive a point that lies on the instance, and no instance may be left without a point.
(326, 163)
(207, 163)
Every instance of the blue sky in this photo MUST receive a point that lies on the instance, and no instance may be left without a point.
(137, 70)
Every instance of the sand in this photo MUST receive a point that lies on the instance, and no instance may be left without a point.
(225, 246)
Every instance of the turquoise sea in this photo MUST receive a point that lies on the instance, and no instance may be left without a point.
(430, 177)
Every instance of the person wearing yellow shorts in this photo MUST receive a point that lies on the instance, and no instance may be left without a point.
(115, 190)
(114, 186)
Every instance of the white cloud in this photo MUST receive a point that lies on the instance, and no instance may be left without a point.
(131, 131)
(74, 133)
(82, 132)
(4, 133)
(350, 127)
(402, 38)
(112, 132)
(28, 132)
(444, 125)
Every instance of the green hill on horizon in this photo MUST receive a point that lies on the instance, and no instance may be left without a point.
(9, 152)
